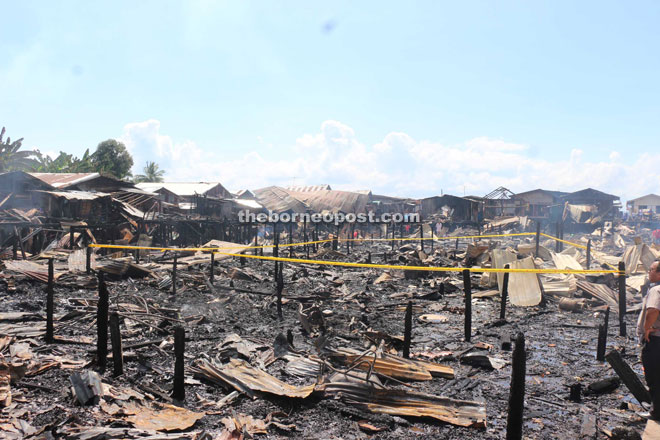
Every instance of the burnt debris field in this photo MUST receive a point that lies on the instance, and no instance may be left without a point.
(224, 341)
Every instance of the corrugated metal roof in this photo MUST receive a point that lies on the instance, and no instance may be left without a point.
(181, 188)
(77, 195)
(248, 203)
(59, 180)
(309, 188)
(278, 199)
(244, 194)
(333, 201)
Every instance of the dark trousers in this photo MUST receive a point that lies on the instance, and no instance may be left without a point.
(651, 362)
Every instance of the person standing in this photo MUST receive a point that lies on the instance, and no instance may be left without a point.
(648, 330)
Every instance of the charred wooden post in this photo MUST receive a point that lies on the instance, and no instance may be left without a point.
(290, 239)
(316, 237)
(421, 235)
(335, 240)
(575, 394)
(557, 235)
(538, 236)
(174, 275)
(115, 338)
(602, 341)
(561, 232)
(456, 244)
(622, 298)
(14, 247)
(392, 228)
(280, 287)
(71, 236)
(505, 293)
(432, 239)
(276, 250)
(514, 421)
(602, 337)
(628, 376)
(212, 268)
(369, 257)
(50, 303)
(179, 392)
(102, 324)
(468, 304)
(305, 237)
(407, 330)
(88, 260)
(589, 254)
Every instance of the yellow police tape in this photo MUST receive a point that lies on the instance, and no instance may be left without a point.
(421, 268)
(577, 245)
(216, 250)
(438, 238)
(199, 249)
(343, 240)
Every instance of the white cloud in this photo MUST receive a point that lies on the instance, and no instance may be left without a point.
(398, 165)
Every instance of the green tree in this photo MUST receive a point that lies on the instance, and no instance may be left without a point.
(111, 157)
(65, 163)
(152, 173)
(11, 159)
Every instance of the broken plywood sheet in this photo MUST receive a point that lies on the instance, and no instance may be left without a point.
(394, 366)
(245, 378)
(638, 254)
(530, 249)
(160, 417)
(603, 258)
(408, 403)
(636, 282)
(524, 288)
(225, 247)
(500, 257)
(565, 261)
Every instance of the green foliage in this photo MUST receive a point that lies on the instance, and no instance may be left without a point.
(11, 159)
(65, 163)
(152, 173)
(111, 157)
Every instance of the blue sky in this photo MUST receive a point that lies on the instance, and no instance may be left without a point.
(404, 98)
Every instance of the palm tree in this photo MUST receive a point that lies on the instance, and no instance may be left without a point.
(152, 173)
(11, 159)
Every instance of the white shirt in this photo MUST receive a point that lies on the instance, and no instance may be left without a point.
(651, 300)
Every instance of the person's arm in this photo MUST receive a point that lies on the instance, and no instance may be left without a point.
(649, 320)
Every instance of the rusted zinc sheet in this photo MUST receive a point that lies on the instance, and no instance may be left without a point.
(408, 403)
(33, 270)
(602, 292)
(394, 366)
(122, 266)
(248, 380)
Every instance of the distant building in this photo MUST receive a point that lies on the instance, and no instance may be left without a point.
(458, 208)
(183, 192)
(536, 203)
(500, 202)
(649, 202)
